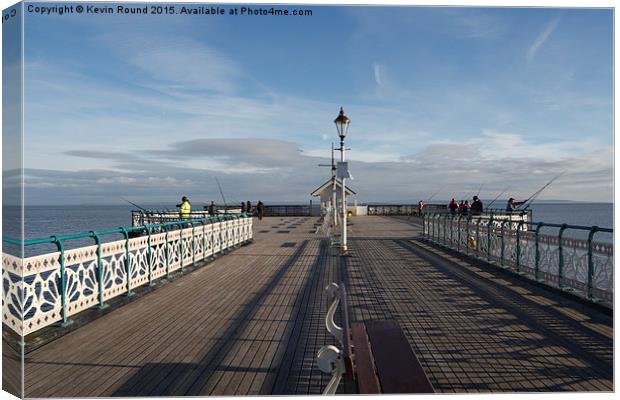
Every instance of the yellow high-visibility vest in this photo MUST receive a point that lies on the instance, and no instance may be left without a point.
(186, 208)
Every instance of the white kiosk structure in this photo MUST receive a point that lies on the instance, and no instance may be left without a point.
(326, 195)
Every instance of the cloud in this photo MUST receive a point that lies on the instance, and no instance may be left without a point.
(386, 88)
(541, 39)
(272, 170)
(84, 106)
(178, 62)
(104, 155)
(473, 24)
(261, 150)
(243, 153)
(123, 180)
(170, 112)
(465, 23)
(368, 156)
(377, 73)
(230, 156)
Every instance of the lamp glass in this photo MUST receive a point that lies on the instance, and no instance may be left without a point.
(342, 124)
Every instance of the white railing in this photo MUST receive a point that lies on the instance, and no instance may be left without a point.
(45, 289)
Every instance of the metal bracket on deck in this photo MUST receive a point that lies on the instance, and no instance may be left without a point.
(330, 358)
(334, 292)
(330, 362)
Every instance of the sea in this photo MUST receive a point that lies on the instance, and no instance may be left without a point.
(45, 221)
(580, 214)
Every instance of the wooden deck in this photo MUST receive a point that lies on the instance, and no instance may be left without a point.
(252, 321)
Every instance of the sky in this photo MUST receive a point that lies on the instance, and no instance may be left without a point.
(444, 100)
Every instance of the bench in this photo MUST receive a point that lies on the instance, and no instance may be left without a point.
(375, 355)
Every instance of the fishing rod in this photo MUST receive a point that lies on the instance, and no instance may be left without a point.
(479, 189)
(221, 192)
(434, 194)
(468, 196)
(134, 204)
(498, 196)
(533, 197)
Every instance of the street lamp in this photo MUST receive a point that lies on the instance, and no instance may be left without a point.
(342, 126)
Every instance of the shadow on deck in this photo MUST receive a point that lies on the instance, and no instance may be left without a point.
(252, 322)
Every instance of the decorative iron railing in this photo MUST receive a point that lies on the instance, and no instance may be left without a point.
(49, 288)
(412, 209)
(143, 217)
(392, 209)
(150, 217)
(584, 267)
(292, 210)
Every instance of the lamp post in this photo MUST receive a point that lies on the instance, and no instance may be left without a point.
(334, 217)
(342, 125)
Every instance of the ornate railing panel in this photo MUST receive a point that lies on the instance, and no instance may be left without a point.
(35, 304)
(291, 210)
(144, 216)
(48, 288)
(159, 264)
(391, 209)
(430, 209)
(581, 266)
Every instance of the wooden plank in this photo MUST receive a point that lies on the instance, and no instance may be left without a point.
(163, 341)
(273, 331)
(367, 381)
(182, 338)
(288, 349)
(249, 310)
(397, 365)
(470, 333)
(137, 341)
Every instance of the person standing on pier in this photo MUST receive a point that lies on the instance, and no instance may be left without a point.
(242, 207)
(212, 209)
(512, 204)
(248, 207)
(464, 208)
(420, 207)
(476, 206)
(260, 210)
(185, 208)
(453, 206)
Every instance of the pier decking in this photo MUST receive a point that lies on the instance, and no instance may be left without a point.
(252, 321)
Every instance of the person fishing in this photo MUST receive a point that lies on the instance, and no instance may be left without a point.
(464, 207)
(212, 209)
(260, 210)
(453, 206)
(476, 206)
(185, 208)
(512, 205)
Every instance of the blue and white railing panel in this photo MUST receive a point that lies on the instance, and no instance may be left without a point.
(33, 296)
